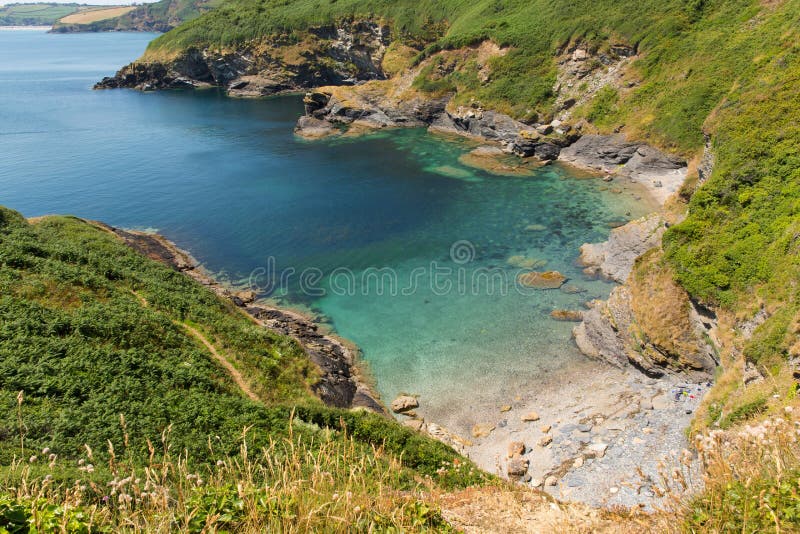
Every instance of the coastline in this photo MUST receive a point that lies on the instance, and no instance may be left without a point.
(343, 381)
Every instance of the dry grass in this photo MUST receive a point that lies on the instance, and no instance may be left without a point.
(292, 485)
(93, 15)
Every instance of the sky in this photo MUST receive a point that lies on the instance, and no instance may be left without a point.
(92, 2)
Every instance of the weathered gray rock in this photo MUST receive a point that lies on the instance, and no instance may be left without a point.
(312, 128)
(614, 258)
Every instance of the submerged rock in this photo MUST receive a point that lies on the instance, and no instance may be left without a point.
(567, 315)
(542, 280)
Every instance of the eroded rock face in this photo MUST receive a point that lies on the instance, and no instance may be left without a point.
(650, 323)
(662, 174)
(614, 258)
(347, 53)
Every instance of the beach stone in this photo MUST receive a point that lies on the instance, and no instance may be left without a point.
(578, 462)
(598, 450)
(516, 448)
(637, 440)
(247, 296)
(404, 403)
(542, 280)
(550, 481)
(517, 466)
(530, 416)
(505, 408)
(545, 429)
(544, 441)
(584, 428)
(481, 430)
(536, 482)
(575, 316)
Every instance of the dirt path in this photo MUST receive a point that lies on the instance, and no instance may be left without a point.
(235, 374)
(195, 333)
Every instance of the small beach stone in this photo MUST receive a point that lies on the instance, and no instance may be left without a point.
(404, 403)
(481, 430)
(516, 448)
(584, 428)
(544, 441)
(505, 408)
(530, 416)
(545, 429)
(597, 449)
(550, 481)
(578, 462)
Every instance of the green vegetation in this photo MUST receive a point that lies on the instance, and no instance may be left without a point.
(158, 16)
(98, 370)
(38, 14)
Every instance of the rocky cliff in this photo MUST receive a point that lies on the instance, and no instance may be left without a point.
(344, 54)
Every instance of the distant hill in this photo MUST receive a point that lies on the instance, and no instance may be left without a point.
(38, 14)
(156, 17)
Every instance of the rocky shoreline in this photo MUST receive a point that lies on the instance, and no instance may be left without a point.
(341, 382)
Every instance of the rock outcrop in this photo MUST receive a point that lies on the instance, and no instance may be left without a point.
(649, 322)
(614, 258)
(614, 155)
(348, 53)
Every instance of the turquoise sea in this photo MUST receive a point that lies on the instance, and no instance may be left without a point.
(389, 238)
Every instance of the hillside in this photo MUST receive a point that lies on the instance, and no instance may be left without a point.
(159, 16)
(712, 83)
(37, 14)
(112, 369)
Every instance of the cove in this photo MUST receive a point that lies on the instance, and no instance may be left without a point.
(382, 223)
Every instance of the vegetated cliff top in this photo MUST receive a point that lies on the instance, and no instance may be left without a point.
(158, 16)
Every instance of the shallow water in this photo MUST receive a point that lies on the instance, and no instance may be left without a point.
(385, 234)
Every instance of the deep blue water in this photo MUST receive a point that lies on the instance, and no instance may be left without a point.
(227, 180)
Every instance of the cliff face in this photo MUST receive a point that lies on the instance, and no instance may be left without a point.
(344, 54)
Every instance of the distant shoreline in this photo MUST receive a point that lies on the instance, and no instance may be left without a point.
(25, 28)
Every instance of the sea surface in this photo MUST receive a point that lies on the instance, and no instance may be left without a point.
(401, 248)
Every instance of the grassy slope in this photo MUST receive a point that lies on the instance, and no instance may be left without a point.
(34, 14)
(91, 331)
(163, 14)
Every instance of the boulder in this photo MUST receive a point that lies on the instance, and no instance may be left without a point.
(517, 466)
(404, 403)
(312, 128)
(414, 424)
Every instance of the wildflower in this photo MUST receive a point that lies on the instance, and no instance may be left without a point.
(220, 463)
(32, 459)
(45, 451)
